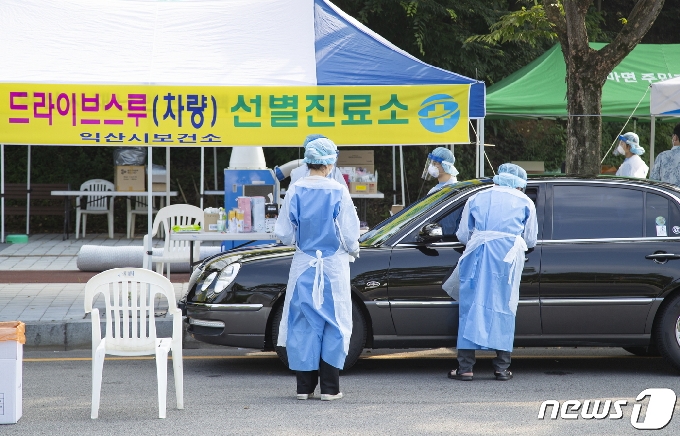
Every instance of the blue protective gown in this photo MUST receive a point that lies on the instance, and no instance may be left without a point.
(319, 218)
(486, 320)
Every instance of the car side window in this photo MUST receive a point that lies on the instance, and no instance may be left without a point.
(596, 212)
(662, 217)
(450, 223)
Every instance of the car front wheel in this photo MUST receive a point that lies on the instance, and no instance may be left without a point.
(356, 343)
(667, 332)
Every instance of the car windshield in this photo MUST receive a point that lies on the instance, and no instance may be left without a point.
(392, 225)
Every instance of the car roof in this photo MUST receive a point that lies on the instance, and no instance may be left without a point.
(602, 178)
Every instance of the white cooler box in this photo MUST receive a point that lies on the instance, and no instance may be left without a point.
(12, 338)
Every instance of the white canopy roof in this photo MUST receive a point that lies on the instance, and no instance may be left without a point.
(665, 98)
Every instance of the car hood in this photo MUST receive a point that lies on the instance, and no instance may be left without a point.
(246, 254)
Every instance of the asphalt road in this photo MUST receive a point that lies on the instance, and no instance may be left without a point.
(231, 391)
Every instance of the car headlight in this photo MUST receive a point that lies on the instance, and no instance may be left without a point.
(206, 282)
(226, 276)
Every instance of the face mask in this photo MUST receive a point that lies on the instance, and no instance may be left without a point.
(620, 150)
(433, 171)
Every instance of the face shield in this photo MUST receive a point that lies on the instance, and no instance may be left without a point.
(430, 171)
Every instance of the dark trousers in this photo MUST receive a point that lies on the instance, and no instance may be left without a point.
(329, 375)
(467, 359)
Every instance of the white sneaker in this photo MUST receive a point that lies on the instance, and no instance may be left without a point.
(329, 397)
(305, 396)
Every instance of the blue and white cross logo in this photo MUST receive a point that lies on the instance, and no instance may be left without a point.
(439, 113)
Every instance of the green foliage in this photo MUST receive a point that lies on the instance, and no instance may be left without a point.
(528, 26)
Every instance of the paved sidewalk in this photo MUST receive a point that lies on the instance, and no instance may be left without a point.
(48, 252)
(54, 302)
(54, 312)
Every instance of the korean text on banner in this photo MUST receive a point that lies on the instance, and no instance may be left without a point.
(226, 115)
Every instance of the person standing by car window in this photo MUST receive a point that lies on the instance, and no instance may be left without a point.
(632, 166)
(497, 226)
(439, 165)
(319, 218)
(303, 170)
(667, 163)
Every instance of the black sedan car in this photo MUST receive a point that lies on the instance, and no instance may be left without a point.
(603, 273)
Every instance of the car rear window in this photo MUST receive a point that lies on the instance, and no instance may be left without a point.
(662, 217)
(595, 212)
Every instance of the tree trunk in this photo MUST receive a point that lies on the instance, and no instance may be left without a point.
(587, 71)
(584, 133)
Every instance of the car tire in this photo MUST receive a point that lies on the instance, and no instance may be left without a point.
(666, 333)
(356, 343)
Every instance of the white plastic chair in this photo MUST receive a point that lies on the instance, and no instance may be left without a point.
(138, 206)
(129, 294)
(174, 251)
(95, 205)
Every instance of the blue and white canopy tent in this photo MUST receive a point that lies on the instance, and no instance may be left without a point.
(203, 43)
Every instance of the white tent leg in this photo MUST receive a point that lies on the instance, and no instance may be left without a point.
(202, 175)
(167, 176)
(2, 192)
(652, 133)
(215, 165)
(28, 192)
(394, 174)
(149, 205)
(401, 164)
(480, 146)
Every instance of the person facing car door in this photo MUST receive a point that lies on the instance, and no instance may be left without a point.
(319, 218)
(497, 226)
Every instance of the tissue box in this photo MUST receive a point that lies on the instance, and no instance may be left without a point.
(210, 221)
(363, 187)
(245, 204)
(258, 214)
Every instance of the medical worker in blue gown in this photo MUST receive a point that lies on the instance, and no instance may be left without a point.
(439, 165)
(497, 226)
(319, 218)
(303, 170)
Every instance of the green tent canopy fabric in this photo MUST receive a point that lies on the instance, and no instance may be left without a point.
(539, 90)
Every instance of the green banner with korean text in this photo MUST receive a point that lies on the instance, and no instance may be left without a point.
(126, 115)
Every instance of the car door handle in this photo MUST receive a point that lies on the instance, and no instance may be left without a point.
(662, 256)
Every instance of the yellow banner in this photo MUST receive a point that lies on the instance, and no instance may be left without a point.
(123, 115)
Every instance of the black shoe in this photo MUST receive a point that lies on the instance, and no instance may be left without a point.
(504, 375)
(453, 374)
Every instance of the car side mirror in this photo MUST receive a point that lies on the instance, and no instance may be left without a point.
(431, 232)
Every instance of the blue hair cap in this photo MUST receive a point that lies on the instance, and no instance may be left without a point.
(321, 151)
(511, 175)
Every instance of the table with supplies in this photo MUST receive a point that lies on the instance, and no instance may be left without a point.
(218, 236)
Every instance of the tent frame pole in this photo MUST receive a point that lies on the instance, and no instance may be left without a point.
(28, 192)
(215, 165)
(394, 174)
(2, 192)
(652, 133)
(401, 164)
(480, 147)
(202, 176)
(149, 205)
(167, 176)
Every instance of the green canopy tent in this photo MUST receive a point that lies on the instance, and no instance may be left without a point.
(539, 90)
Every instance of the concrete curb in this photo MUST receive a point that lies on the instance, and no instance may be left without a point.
(77, 335)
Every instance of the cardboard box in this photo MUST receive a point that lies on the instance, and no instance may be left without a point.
(531, 166)
(158, 187)
(396, 208)
(11, 357)
(356, 158)
(258, 214)
(363, 187)
(129, 178)
(245, 204)
(210, 221)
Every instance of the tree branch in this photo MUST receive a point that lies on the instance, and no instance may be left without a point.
(639, 22)
(554, 14)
